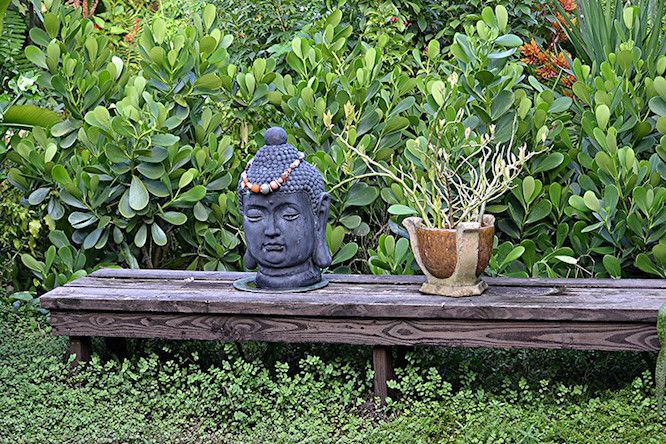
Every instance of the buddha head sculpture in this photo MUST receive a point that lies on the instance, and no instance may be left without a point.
(285, 210)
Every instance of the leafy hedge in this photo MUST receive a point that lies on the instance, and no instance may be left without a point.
(142, 170)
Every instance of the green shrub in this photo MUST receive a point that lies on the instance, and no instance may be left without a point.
(621, 197)
(605, 204)
(20, 232)
(261, 27)
(144, 166)
(141, 159)
(606, 26)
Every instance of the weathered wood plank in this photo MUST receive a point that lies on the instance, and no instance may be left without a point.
(120, 273)
(384, 332)
(343, 288)
(382, 364)
(364, 301)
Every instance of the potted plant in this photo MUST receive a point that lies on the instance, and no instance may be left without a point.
(443, 182)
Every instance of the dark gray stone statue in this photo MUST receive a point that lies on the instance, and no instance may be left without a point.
(285, 210)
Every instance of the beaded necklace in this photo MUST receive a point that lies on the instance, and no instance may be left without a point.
(274, 184)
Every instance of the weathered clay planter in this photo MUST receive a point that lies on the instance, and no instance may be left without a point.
(452, 259)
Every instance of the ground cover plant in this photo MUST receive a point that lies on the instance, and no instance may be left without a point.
(124, 126)
(211, 392)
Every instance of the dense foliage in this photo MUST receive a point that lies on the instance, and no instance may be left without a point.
(157, 125)
(124, 125)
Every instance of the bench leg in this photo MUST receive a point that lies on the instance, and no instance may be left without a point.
(80, 346)
(382, 363)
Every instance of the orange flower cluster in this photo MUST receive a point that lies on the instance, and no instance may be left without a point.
(568, 5)
(551, 63)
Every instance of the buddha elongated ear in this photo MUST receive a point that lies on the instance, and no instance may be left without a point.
(249, 260)
(322, 256)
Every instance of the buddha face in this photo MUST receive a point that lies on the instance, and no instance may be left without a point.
(285, 239)
(279, 228)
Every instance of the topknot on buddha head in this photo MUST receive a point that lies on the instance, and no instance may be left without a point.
(280, 167)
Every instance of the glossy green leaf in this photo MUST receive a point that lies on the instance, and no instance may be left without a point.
(36, 56)
(32, 263)
(192, 195)
(38, 196)
(361, 195)
(138, 194)
(509, 40)
(658, 106)
(501, 104)
(612, 266)
(539, 211)
(158, 235)
(165, 140)
(174, 217)
(401, 210)
(502, 17)
(560, 105)
(513, 255)
(591, 201)
(141, 236)
(347, 252)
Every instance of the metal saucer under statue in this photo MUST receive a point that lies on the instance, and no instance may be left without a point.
(285, 210)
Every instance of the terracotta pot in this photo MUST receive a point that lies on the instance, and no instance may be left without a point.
(452, 259)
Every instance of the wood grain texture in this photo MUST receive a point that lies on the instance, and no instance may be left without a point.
(120, 273)
(385, 332)
(361, 300)
(382, 364)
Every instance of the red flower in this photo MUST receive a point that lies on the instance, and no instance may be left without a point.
(130, 36)
(393, 19)
(568, 5)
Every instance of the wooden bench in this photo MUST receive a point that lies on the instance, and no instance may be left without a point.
(382, 311)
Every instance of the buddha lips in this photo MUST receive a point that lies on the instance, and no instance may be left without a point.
(274, 184)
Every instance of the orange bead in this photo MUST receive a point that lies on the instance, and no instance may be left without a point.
(255, 188)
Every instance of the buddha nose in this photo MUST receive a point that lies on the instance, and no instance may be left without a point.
(271, 229)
